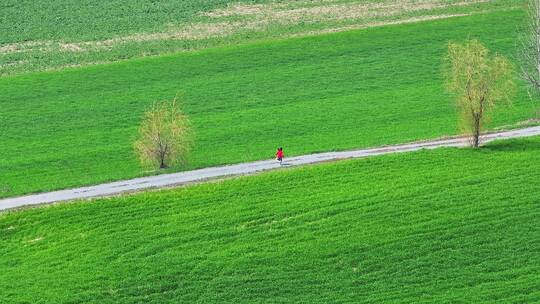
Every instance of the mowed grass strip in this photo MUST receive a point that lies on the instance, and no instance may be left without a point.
(69, 22)
(64, 33)
(446, 225)
(332, 92)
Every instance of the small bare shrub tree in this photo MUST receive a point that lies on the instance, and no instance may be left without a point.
(165, 135)
(478, 82)
(530, 49)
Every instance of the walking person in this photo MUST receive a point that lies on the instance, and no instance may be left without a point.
(280, 155)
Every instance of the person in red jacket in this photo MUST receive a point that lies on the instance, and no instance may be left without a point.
(280, 155)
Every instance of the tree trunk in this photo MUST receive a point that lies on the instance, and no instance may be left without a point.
(476, 132)
(162, 164)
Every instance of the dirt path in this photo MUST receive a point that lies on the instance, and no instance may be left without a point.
(168, 180)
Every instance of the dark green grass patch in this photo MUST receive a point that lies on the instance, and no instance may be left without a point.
(333, 92)
(448, 225)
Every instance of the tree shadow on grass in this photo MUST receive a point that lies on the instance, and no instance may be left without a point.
(514, 145)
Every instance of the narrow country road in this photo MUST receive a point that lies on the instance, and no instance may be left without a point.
(167, 180)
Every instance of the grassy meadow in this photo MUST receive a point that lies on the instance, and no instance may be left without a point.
(336, 91)
(440, 226)
(37, 36)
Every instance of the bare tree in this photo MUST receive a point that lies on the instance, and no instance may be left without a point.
(478, 82)
(530, 48)
(165, 135)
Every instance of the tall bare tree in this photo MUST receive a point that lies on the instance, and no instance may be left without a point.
(165, 135)
(530, 49)
(478, 82)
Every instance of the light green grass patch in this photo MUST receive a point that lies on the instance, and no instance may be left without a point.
(333, 92)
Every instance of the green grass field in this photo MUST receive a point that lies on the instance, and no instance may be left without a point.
(34, 36)
(332, 92)
(441, 226)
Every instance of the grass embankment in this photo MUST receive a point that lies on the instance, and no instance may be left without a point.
(340, 91)
(62, 33)
(448, 225)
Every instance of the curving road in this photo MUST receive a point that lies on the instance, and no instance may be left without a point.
(168, 180)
